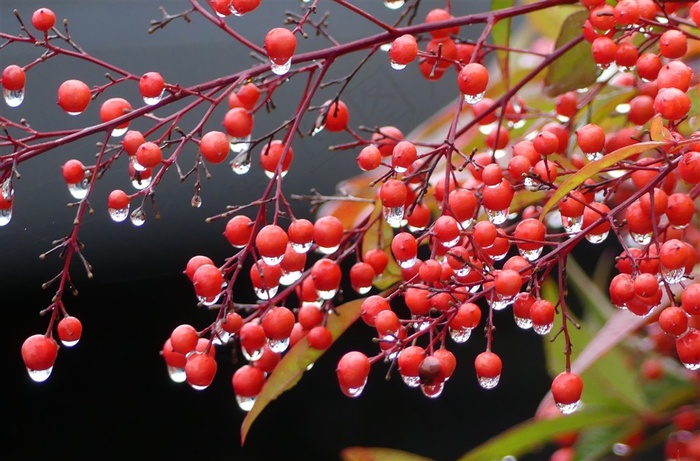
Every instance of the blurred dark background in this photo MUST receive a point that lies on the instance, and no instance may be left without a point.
(110, 397)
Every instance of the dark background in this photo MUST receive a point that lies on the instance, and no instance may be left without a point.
(110, 397)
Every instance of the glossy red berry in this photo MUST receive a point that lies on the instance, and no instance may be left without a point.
(73, 171)
(149, 155)
(43, 19)
(328, 232)
(473, 79)
(336, 116)
(200, 370)
(567, 388)
(393, 193)
(673, 44)
(488, 368)
(238, 122)
(114, 108)
(271, 157)
(207, 281)
(69, 330)
(73, 96)
(151, 86)
(248, 381)
(13, 78)
(271, 243)
(278, 323)
(326, 275)
(369, 158)
(371, 307)
(184, 339)
(673, 321)
(352, 370)
(403, 51)
(39, 352)
(320, 338)
(672, 103)
(280, 44)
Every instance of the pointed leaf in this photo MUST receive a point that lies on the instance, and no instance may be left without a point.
(295, 362)
(378, 454)
(545, 22)
(527, 436)
(500, 32)
(591, 169)
(560, 78)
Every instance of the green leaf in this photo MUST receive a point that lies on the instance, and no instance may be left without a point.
(500, 33)
(576, 67)
(591, 169)
(378, 454)
(293, 365)
(528, 435)
(658, 131)
(546, 21)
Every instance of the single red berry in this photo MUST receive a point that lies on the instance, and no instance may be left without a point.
(278, 323)
(207, 281)
(590, 138)
(393, 193)
(681, 209)
(604, 50)
(648, 66)
(403, 51)
(488, 368)
(248, 381)
(248, 95)
(43, 19)
(252, 337)
(326, 275)
(73, 96)
(371, 306)
(114, 108)
(498, 198)
(239, 230)
(39, 352)
(468, 316)
(361, 276)
(280, 44)
(151, 86)
(194, 263)
(232, 323)
(546, 143)
(405, 248)
(238, 122)
(271, 157)
(626, 12)
(689, 167)
(200, 370)
(184, 338)
(69, 330)
(73, 171)
(673, 44)
(132, 140)
(13, 78)
(673, 254)
(377, 258)
(352, 370)
(369, 158)
(409, 361)
(241, 7)
(602, 17)
(673, 320)
(268, 360)
(437, 15)
(149, 155)
(336, 116)
(328, 232)
(672, 103)
(271, 243)
(301, 234)
(473, 79)
(690, 300)
(688, 349)
(265, 277)
(567, 388)
(621, 289)
(542, 315)
(309, 315)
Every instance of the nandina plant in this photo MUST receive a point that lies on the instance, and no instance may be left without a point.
(586, 135)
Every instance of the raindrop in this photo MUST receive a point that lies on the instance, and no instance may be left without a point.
(542, 329)
(154, 101)
(396, 66)
(497, 216)
(499, 256)
(420, 322)
(467, 224)
(692, 366)
(411, 381)
(622, 108)
(385, 47)
(241, 163)
(432, 391)
(393, 216)
(246, 403)
(271, 174)
(5, 216)
(118, 214)
(463, 271)
(117, 132)
(460, 335)
(239, 145)
(530, 184)
(289, 277)
(196, 201)
(70, 343)
(562, 118)
(39, 376)
(407, 263)
(327, 250)
(138, 217)
(272, 260)
(621, 449)
(326, 294)
(530, 255)
(400, 169)
(572, 224)
(177, 375)
(253, 355)
(264, 294)
(208, 301)
(301, 247)
(680, 227)
(596, 238)
(13, 98)
(568, 408)
(363, 290)
(353, 391)
(523, 323)
(278, 345)
(281, 69)
(220, 336)
(488, 383)
(451, 243)
(474, 98)
(135, 163)
(487, 128)
(499, 303)
(593, 156)
(79, 190)
(641, 239)
(394, 4)
(320, 124)
(7, 190)
(672, 275)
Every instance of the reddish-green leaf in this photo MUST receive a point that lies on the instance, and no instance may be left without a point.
(378, 454)
(293, 365)
(591, 169)
(658, 131)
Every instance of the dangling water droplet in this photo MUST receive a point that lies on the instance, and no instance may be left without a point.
(39, 376)
(463, 271)
(301, 247)
(155, 100)
(420, 322)
(596, 238)
(220, 14)
(135, 163)
(396, 66)
(460, 335)
(499, 303)
(562, 118)
(530, 184)
(117, 132)
(385, 47)
(263, 294)
(271, 174)
(411, 381)
(138, 217)
(140, 183)
(593, 156)
(238, 145)
(394, 4)
(407, 263)
(246, 403)
(691, 366)
(326, 294)
(309, 366)
(5, 216)
(289, 277)
(281, 69)
(602, 66)
(176, 375)
(572, 225)
(327, 250)
(622, 108)
(641, 239)
(497, 216)
(530, 255)
(680, 227)
(320, 123)
(353, 391)
(208, 301)
(363, 290)
(70, 343)
(235, 12)
(272, 260)
(672, 275)
(474, 98)
(451, 243)
(400, 169)
(542, 329)
(241, 163)
(466, 224)
(253, 355)
(568, 408)
(13, 98)
(523, 323)
(196, 201)
(118, 214)
(220, 336)
(393, 216)
(488, 383)
(432, 391)
(415, 229)
(7, 190)
(621, 449)
(487, 128)
(79, 190)
(278, 345)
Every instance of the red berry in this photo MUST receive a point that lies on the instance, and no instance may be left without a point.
(361, 276)
(73, 96)
(241, 7)
(268, 360)
(377, 258)
(248, 95)
(265, 277)
(172, 358)
(404, 50)
(437, 15)
(673, 44)
(184, 339)
(238, 122)
(681, 209)
(278, 323)
(336, 116)
(73, 171)
(43, 19)
(404, 248)
(301, 233)
(488, 368)
(673, 320)
(473, 79)
(567, 388)
(194, 263)
(252, 337)
(114, 108)
(132, 140)
(149, 155)
(39, 352)
(271, 156)
(690, 300)
(238, 230)
(309, 315)
(200, 370)
(542, 315)
(688, 349)
(672, 103)
(69, 330)
(409, 361)
(207, 281)
(689, 167)
(280, 44)
(151, 85)
(468, 316)
(13, 78)
(590, 138)
(328, 232)
(248, 381)
(393, 193)
(233, 322)
(369, 158)
(271, 243)
(352, 370)
(648, 66)
(371, 307)
(326, 275)
(385, 138)
(604, 51)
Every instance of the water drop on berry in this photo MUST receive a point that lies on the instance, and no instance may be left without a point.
(264, 294)
(154, 100)
(327, 250)
(407, 263)
(411, 381)
(542, 329)
(497, 216)
(239, 145)
(5, 216)
(393, 216)
(246, 403)
(39, 376)
(301, 247)
(353, 391)
(138, 217)
(488, 383)
(220, 336)
(241, 163)
(281, 69)
(326, 294)
(523, 323)
(278, 345)
(272, 260)
(593, 156)
(568, 408)
(420, 322)
(460, 335)
(474, 98)
(289, 277)
(530, 255)
(118, 214)
(641, 239)
(117, 132)
(253, 355)
(13, 98)
(572, 225)
(396, 66)
(79, 190)
(394, 4)
(596, 238)
(176, 375)
(432, 391)
(672, 275)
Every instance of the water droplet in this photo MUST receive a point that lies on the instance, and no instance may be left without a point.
(117, 132)
(320, 123)
(680, 227)
(572, 225)
(13, 98)
(278, 345)
(385, 47)
(451, 243)
(281, 69)
(420, 322)
(353, 391)
(208, 301)
(641, 239)
(139, 182)
(407, 263)
(499, 303)
(396, 66)
(196, 201)
(568, 408)
(326, 294)
(118, 214)
(662, 19)
(289, 277)
(79, 190)
(241, 163)
(309, 366)
(622, 108)
(246, 403)
(70, 343)
(301, 247)
(562, 118)
(138, 217)
(621, 449)
(263, 294)
(400, 169)
(593, 156)
(466, 224)
(523, 323)
(239, 145)
(135, 163)
(596, 238)
(393, 216)
(463, 271)
(39, 376)
(530, 255)
(363, 290)
(487, 128)
(271, 174)
(542, 329)
(672, 275)
(488, 383)
(7, 190)
(394, 4)
(474, 98)
(530, 184)
(692, 366)
(220, 336)
(460, 335)
(432, 391)
(497, 216)
(253, 355)
(411, 381)
(602, 66)
(154, 101)
(327, 250)
(415, 229)
(272, 260)
(5, 216)
(177, 375)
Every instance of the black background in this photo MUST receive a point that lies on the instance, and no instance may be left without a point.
(110, 396)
